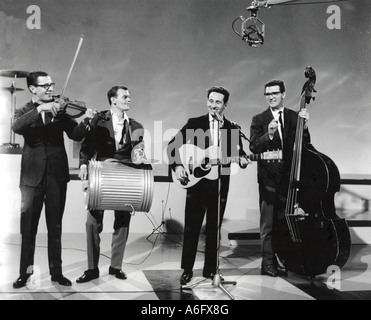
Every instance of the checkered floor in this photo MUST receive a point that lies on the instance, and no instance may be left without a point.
(152, 266)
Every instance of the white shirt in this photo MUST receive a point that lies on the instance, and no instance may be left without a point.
(276, 115)
(118, 125)
(215, 125)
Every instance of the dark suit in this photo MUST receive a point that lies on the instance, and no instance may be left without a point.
(44, 177)
(272, 175)
(203, 196)
(100, 144)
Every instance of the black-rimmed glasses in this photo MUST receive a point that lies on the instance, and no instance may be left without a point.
(274, 94)
(46, 86)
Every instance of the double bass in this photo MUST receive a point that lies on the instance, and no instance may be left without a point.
(309, 237)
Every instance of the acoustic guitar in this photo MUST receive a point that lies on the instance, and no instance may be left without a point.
(203, 164)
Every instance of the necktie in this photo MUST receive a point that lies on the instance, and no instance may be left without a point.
(125, 136)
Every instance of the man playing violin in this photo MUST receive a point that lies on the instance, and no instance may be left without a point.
(115, 136)
(273, 129)
(44, 172)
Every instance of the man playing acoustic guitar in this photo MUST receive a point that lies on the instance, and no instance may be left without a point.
(209, 130)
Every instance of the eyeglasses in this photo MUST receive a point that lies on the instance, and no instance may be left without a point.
(274, 94)
(46, 86)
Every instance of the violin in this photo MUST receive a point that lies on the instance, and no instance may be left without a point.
(76, 109)
(309, 237)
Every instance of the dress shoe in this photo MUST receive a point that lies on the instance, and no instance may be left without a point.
(88, 275)
(118, 273)
(211, 275)
(21, 281)
(269, 270)
(61, 280)
(281, 270)
(186, 277)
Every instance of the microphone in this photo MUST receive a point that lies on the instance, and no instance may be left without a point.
(254, 33)
(218, 116)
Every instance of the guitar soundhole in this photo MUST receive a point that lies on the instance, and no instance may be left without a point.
(203, 169)
(205, 164)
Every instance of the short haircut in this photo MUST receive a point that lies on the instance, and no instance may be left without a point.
(275, 82)
(113, 92)
(33, 76)
(220, 90)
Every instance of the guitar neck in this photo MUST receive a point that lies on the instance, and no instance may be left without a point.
(236, 159)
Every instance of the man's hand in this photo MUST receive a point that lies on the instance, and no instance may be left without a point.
(51, 107)
(272, 128)
(244, 162)
(303, 113)
(89, 113)
(181, 175)
(83, 175)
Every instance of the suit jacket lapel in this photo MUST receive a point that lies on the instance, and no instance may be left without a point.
(109, 125)
(286, 122)
(268, 116)
(39, 123)
(205, 126)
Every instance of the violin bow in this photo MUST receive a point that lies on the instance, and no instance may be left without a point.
(70, 72)
(71, 68)
(72, 65)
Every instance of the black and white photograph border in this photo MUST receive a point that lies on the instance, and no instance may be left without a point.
(168, 53)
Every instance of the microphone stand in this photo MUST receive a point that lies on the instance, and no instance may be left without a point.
(161, 225)
(217, 280)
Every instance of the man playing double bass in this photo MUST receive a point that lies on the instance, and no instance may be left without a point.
(273, 129)
(113, 136)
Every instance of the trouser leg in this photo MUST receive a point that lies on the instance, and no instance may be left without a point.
(94, 226)
(267, 199)
(31, 206)
(212, 241)
(54, 207)
(119, 238)
(194, 215)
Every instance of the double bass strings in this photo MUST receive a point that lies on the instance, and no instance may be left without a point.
(292, 195)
